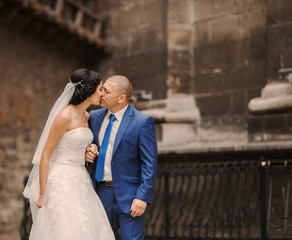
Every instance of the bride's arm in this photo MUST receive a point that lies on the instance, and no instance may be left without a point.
(59, 127)
(91, 150)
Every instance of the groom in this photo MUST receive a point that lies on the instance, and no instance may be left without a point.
(124, 172)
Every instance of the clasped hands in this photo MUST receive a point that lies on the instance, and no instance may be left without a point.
(91, 153)
(138, 206)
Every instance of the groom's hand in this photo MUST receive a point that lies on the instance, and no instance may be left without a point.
(91, 153)
(138, 207)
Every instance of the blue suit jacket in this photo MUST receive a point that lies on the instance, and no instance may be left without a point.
(134, 157)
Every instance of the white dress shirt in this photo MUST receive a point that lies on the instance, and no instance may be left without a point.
(107, 174)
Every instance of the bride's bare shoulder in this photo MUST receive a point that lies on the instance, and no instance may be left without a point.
(65, 115)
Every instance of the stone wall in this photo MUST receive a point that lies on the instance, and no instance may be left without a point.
(135, 37)
(230, 54)
(224, 52)
(33, 72)
(221, 52)
(279, 32)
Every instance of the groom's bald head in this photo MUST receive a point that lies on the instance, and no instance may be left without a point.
(123, 84)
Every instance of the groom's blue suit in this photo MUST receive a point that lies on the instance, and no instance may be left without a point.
(134, 159)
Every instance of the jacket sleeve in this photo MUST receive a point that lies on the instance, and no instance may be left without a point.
(148, 158)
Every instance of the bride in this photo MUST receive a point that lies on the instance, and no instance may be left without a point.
(63, 202)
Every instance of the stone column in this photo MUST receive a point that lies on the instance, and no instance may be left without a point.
(178, 120)
(180, 46)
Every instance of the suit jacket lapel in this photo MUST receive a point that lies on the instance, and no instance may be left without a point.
(123, 126)
(97, 126)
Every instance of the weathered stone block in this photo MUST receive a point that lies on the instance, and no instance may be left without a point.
(128, 4)
(113, 22)
(278, 53)
(179, 83)
(209, 83)
(237, 82)
(209, 9)
(171, 134)
(236, 22)
(228, 27)
(287, 59)
(251, 93)
(179, 60)
(110, 4)
(274, 127)
(245, 78)
(212, 9)
(237, 102)
(242, 6)
(147, 14)
(278, 11)
(155, 84)
(180, 34)
(235, 64)
(180, 11)
(144, 64)
(254, 4)
(221, 55)
(240, 26)
(215, 104)
(202, 33)
(152, 38)
(257, 50)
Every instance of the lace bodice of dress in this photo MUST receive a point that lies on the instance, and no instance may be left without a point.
(71, 209)
(72, 146)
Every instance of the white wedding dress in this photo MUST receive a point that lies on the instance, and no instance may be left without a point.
(72, 210)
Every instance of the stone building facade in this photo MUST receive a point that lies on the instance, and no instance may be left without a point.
(222, 53)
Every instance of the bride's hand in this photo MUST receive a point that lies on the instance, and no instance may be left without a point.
(91, 153)
(40, 201)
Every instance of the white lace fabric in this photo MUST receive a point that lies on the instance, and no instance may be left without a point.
(31, 190)
(72, 209)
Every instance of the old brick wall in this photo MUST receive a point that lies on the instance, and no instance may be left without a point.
(135, 38)
(33, 73)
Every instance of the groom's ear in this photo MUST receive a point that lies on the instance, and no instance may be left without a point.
(122, 98)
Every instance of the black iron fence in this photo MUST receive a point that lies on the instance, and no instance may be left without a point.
(233, 199)
(222, 196)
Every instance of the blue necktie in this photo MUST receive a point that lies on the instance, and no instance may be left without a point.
(103, 148)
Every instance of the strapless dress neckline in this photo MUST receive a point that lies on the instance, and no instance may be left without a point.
(77, 128)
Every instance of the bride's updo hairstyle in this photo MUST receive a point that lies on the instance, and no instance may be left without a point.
(85, 82)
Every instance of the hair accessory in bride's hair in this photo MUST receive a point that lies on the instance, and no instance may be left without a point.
(79, 84)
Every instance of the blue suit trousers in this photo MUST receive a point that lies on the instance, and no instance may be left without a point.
(130, 228)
